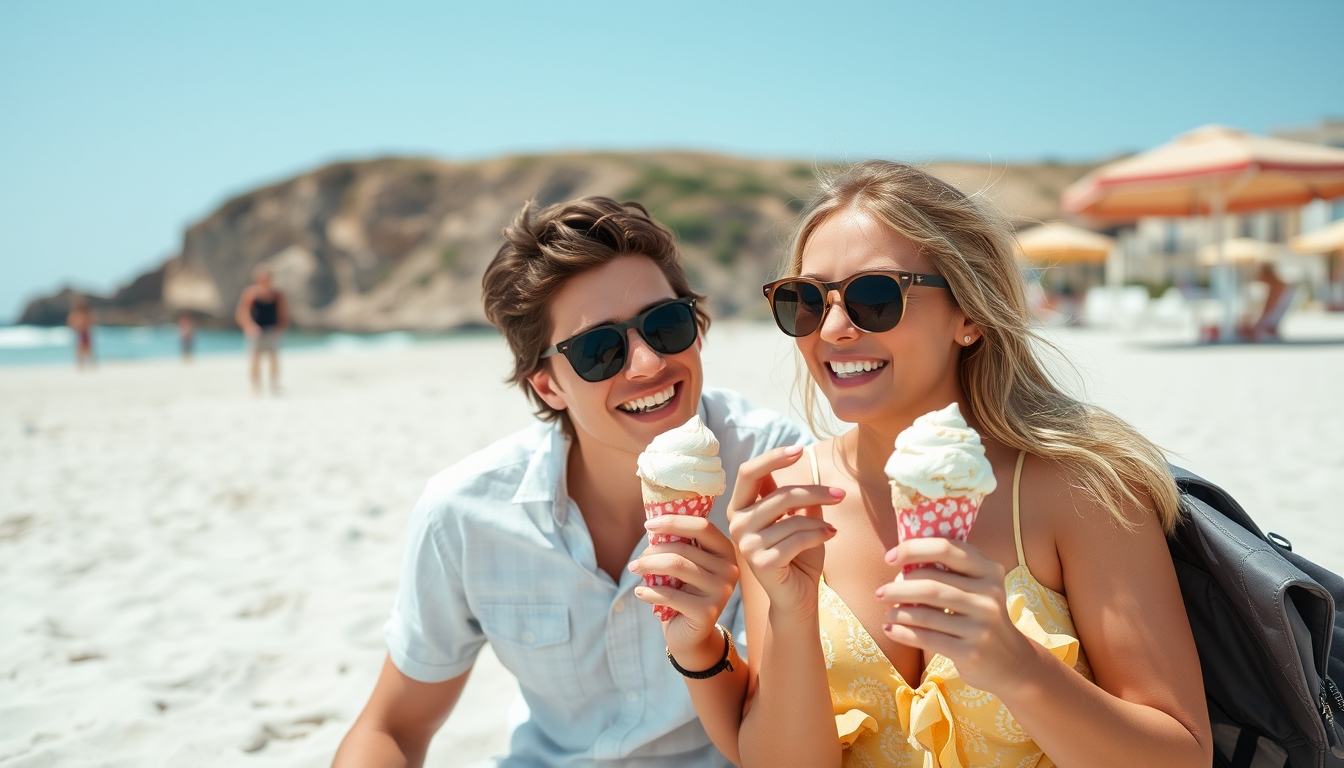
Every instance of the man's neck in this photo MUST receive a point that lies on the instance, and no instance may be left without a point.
(602, 482)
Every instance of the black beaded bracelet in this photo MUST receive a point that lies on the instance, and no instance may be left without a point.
(724, 663)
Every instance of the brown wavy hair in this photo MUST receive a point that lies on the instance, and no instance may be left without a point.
(544, 248)
(1010, 393)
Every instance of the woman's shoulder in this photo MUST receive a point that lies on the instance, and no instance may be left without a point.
(800, 472)
(1058, 491)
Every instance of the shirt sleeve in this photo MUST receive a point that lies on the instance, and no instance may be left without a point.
(432, 635)
(774, 430)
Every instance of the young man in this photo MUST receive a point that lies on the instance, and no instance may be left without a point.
(528, 544)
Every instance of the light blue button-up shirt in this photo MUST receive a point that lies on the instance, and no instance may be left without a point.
(498, 552)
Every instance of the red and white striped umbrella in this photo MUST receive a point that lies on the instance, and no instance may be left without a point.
(1206, 169)
(1210, 171)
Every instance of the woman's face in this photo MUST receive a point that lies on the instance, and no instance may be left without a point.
(904, 372)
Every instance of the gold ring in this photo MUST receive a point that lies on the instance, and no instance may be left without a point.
(949, 612)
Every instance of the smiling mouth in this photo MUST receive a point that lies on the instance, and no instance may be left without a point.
(651, 403)
(850, 370)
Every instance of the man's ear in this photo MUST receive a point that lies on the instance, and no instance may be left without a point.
(547, 390)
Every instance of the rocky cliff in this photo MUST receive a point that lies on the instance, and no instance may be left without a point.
(402, 243)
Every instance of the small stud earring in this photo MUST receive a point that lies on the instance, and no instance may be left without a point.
(967, 339)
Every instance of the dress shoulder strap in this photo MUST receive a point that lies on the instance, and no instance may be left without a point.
(811, 452)
(1017, 518)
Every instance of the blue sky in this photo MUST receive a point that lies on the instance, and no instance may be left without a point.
(123, 122)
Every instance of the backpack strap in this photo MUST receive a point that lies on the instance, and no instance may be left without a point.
(1017, 518)
(1248, 743)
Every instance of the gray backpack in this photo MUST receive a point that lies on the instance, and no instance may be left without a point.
(1271, 644)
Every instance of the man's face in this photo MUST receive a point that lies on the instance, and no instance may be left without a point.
(653, 392)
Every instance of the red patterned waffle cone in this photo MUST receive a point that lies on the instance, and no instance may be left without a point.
(920, 517)
(663, 501)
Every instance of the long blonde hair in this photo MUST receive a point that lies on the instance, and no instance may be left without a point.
(1009, 392)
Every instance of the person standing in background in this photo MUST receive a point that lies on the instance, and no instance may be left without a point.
(186, 334)
(263, 315)
(81, 320)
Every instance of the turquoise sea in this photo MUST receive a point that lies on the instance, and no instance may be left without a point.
(36, 345)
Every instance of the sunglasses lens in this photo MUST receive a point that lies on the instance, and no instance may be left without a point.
(670, 329)
(798, 307)
(873, 303)
(598, 354)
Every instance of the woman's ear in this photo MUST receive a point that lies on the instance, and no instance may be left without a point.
(967, 332)
(546, 388)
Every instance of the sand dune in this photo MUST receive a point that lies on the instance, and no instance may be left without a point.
(193, 577)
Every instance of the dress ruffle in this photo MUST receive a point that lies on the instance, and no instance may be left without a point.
(1027, 611)
(853, 724)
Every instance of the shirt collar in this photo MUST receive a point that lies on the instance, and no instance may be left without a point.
(544, 479)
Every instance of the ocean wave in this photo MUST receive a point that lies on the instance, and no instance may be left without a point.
(389, 340)
(34, 336)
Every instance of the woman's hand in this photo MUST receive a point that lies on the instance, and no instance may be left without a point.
(960, 613)
(708, 572)
(779, 532)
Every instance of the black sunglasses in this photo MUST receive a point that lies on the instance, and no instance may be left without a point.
(874, 300)
(599, 353)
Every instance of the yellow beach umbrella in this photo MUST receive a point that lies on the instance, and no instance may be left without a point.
(1237, 250)
(1327, 239)
(1056, 242)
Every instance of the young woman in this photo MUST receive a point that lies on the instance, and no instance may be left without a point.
(1056, 635)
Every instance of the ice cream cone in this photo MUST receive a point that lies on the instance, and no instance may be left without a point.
(920, 517)
(939, 475)
(679, 474)
(667, 501)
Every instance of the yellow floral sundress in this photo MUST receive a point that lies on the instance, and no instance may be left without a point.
(942, 722)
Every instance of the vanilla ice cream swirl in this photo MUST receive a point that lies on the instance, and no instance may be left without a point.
(939, 456)
(685, 459)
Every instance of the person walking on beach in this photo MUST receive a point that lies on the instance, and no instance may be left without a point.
(1056, 634)
(81, 320)
(526, 544)
(263, 314)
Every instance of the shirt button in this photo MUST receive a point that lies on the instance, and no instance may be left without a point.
(619, 606)
(632, 696)
(528, 637)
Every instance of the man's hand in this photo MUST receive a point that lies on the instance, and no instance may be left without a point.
(708, 571)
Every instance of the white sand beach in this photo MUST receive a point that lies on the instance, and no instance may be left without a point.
(192, 577)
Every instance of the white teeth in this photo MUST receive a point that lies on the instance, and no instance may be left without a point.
(649, 403)
(854, 368)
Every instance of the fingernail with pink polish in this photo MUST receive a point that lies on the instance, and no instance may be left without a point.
(836, 493)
